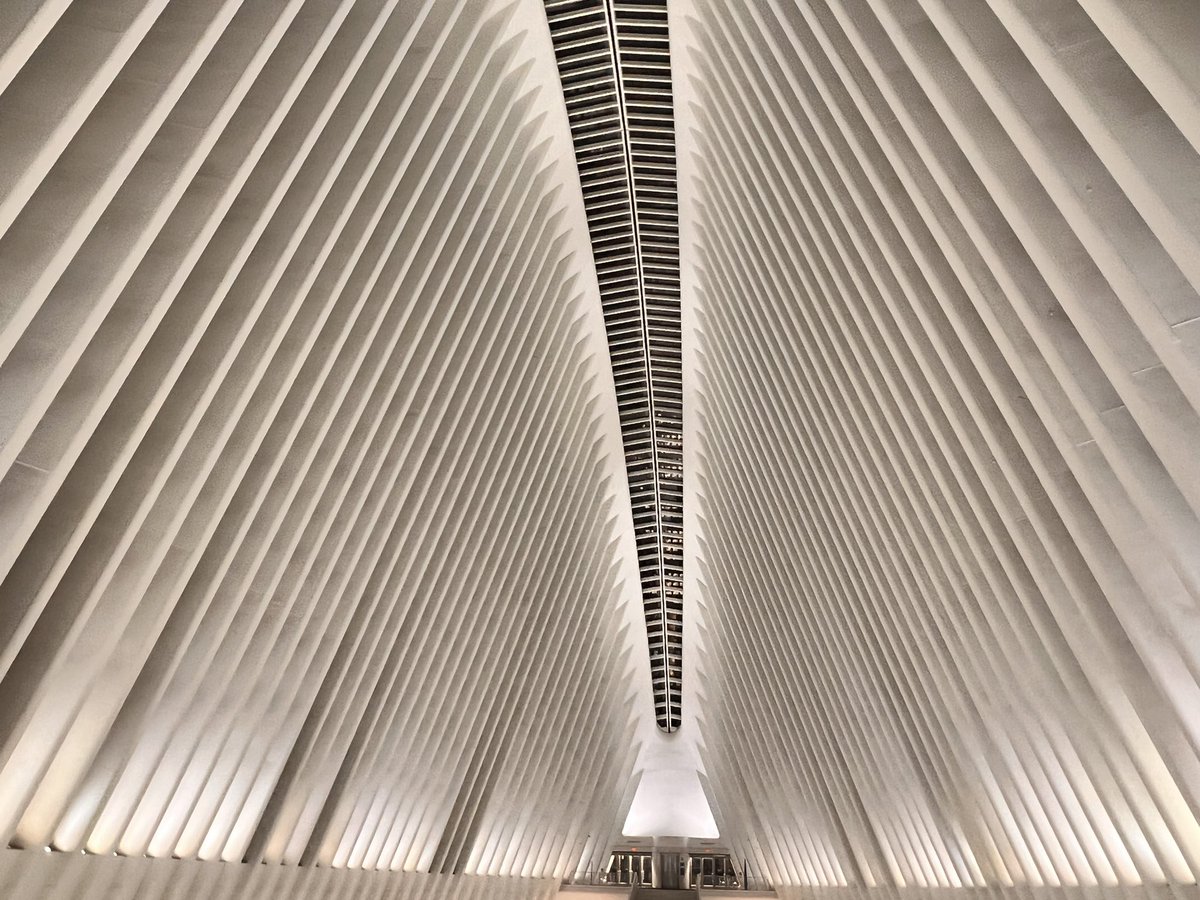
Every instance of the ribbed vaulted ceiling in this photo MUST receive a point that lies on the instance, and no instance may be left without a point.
(945, 275)
(311, 537)
(343, 352)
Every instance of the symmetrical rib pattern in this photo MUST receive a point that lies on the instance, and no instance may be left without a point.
(307, 539)
(947, 257)
(615, 64)
(313, 540)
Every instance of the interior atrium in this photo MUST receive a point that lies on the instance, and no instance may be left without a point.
(518, 449)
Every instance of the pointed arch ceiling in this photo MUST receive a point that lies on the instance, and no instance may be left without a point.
(343, 352)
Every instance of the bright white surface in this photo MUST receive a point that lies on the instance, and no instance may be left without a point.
(72, 876)
(315, 544)
(670, 800)
(941, 443)
(942, 260)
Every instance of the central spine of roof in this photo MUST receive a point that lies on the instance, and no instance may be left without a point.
(615, 65)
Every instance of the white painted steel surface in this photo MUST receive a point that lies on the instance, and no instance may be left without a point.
(313, 531)
(942, 264)
(315, 542)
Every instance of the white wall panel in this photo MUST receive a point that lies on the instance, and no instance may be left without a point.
(62, 876)
(945, 385)
(313, 534)
(316, 554)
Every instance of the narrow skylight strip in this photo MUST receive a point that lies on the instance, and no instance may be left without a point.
(622, 123)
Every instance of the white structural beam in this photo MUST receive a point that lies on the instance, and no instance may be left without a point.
(315, 545)
(318, 571)
(940, 276)
(64, 876)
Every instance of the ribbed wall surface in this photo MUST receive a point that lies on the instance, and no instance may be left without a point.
(1018, 892)
(307, 527)
(314, 544)
(946, 268)
(61, 876)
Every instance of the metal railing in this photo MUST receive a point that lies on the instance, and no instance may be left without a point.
(742, 881)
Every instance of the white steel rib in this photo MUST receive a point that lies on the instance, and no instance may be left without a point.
(312, 529)
(943, 261)
(343, 353)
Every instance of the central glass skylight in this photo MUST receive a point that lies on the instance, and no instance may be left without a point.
(615, 65)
